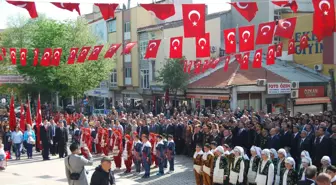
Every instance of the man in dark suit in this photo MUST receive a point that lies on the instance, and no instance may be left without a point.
(197, 138)
(274, 141)
(143, 128)
(333, 145)
(241, 136)
(310, 175)
(227, 139)
(321, 146)
(285, 138)
(53, 147)
(295, 138)
(304, 143)
(46, 139)
(153, 127)
(178, 137)
(170, 129)
(62, 139)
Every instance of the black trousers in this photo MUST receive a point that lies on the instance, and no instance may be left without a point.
(45, 150)
(62, 150)
(54, 147)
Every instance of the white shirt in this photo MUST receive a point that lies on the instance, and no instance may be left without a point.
(270, 172)
(278, 167)
(242, 169)
(333, 179)
(284, 178)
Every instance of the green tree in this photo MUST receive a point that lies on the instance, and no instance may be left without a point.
(41, 33)
(173, 77)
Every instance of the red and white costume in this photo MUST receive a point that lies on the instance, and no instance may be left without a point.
(127, 153)
(152, 141)
(104, 142)
(98, 140)
(117, 148)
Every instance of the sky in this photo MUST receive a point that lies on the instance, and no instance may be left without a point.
(51, 11)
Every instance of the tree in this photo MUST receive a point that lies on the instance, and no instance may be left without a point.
(41, 33)
(173, 77)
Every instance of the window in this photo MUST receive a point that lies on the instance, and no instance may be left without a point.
(144, 77)
(112, 26)
(127, 27)
(128, 72)
(143, 48)
(114, 78)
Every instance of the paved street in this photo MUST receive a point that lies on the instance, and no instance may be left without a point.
(35, 171)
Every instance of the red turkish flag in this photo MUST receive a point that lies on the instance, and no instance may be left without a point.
(68, 6)
(36, 56)
(56, 59)
(83, 53)
(238, 57)
(206, 65)
(257, 58)
(23, 56)
(187, 66)
(29, 6)
(291, 46)
(265, 33)
(286, 27)
(1, 57)
(46, 58)
(107, 10)
(152, 49)
(270, 55)
(244, 64)
(128, 48)
(287, 3)
(304, 42)
(323, 18)
(203, 46)
(278, 52)
(197, 66)
(214, 62)
(13, 55)
(247, 9)
(95, 53)
(246, 38)
(193, 20)
(72, 55)
(176, 46)
(230, 40)
(112, 50)
(226, 64)
(161, 11)
(3, 51)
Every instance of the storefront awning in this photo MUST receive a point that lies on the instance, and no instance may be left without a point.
(208, 97)
(305, 101)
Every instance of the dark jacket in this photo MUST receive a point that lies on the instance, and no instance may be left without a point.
(101, 177)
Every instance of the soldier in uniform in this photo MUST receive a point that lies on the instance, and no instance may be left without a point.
(146, 155)
(254, 162)
(238, 167)
(198, 164)
(265, 174)
(208, 162)
(221, 167)
(137, 146)
(127, 153)
(171, 153)
(290, 177)
(159, 148)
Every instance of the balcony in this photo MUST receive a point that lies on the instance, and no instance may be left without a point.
(128, 81)
(127, 35)
(128, 58)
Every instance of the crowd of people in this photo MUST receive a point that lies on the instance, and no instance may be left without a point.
(228, 147)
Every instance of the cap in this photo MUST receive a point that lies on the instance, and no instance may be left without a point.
(128, 137)
(106, 159)
(159, 136)
(207, 145)
(170, 136)
(214, 143)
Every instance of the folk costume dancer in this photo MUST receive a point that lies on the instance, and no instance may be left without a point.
(152, 140)
(146, 155)
(98, 139)
(325, 163)
(238, 168)
(265, 175)
(221, 167)
(104, 143)
(117, 148)
(275, 160)
(198, 165)
(280, 167)
(290, 177)
(208, 162)
(253, 167)
(137, 147)
(165, 142)
(305, 162)
(171, 153)
(159, 148)
(127, 153)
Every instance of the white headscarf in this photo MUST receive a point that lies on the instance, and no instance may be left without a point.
(256, 149)
(274, 152)
(240, 150)
(220, 149)
(266, 152)
(326, 159)
(305, 153)
(291, 161)
(283, 152)
(306, 160)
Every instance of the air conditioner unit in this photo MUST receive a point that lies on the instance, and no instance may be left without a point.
(261, 82)
(294, 93)
(318, 67)
(294, 85)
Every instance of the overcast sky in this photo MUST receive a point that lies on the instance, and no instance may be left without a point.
(51, 11)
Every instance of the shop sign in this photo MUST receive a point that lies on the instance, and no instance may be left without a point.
(278, 88)
(311, 92)
(208, 97)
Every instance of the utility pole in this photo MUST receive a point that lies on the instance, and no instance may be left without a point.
(332, 84)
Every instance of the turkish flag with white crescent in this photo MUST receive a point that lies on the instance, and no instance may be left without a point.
(1, 57)
(72, 55)
(197, 66)
(56, 59)
(265, 33)
(206, 65)
(112, 50)
(247, 9)
(285, 28)
(23, 56)
(36, 56)
(323, 18)
(246, 38)
(68, 6)
(29, 6)
(161, 11)
(46, 58)
(278, 52)
(304, 42)
(238, 57)
(13, 55)
(287, 3)
(203, 46)
(230, 40)
(83, 54)
(128, 48)
(257, 58)
(226, 63)
(176, 47)
(193, 20)
(152, 49)
(95, 52)
(187, 66)
(270, 55)
(244, 64)
(107, 10)
(215, 62)
(291, 46)
(3, 51)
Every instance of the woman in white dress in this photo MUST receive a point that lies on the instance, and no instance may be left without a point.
(280, 167)
(237, 169)
(254, 162)
(265, 174)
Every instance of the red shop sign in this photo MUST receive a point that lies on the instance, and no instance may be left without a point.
(311, 92)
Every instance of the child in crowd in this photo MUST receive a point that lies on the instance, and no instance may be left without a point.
(171, 153)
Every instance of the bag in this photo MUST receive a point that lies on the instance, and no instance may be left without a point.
(74, 176)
